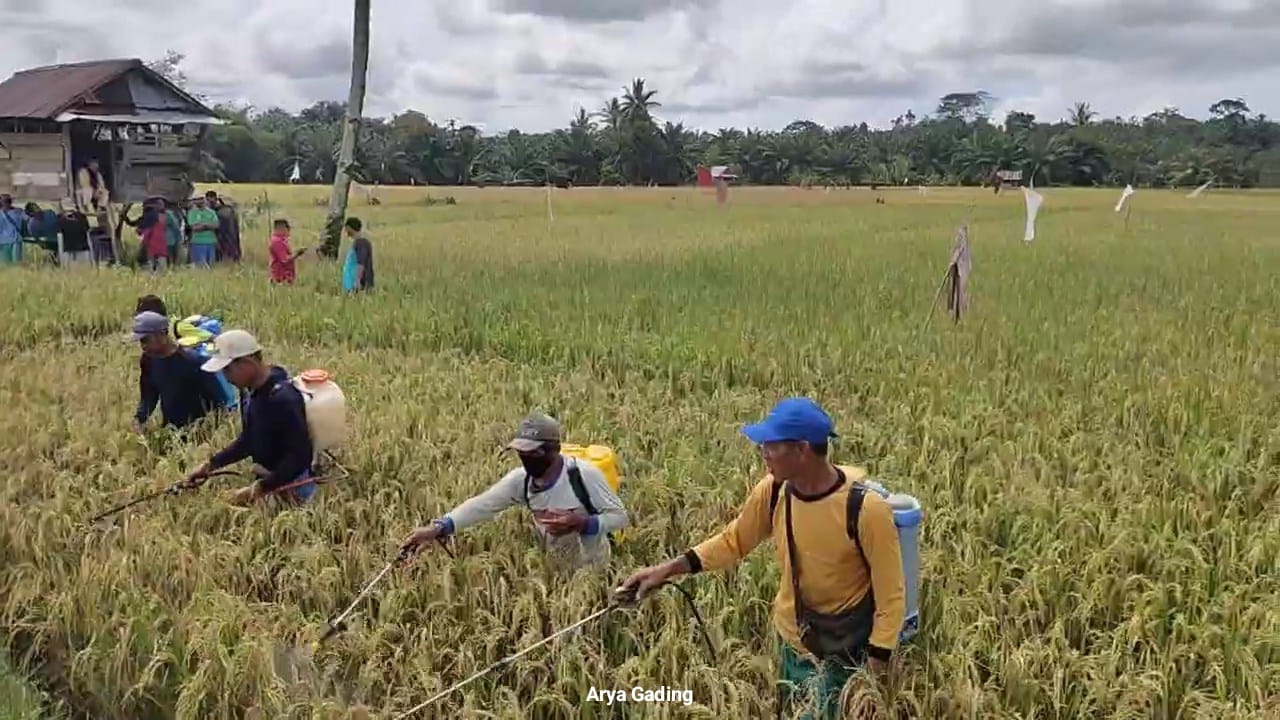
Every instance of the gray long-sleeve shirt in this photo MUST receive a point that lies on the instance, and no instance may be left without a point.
(590, 547)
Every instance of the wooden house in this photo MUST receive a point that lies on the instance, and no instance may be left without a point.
(143, 131)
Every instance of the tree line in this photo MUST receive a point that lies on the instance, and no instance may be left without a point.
(626, 142)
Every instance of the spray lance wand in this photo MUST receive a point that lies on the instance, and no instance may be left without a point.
(173, 489)
(623, 597)
(339, 624)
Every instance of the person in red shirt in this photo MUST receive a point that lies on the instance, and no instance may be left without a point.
(154, 248)
(283, 259)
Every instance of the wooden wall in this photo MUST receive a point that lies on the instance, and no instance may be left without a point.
(157, 164)
(34, 166)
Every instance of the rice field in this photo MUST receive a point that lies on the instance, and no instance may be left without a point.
(1095, 444)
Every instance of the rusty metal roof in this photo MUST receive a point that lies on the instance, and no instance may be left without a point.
(43, 93)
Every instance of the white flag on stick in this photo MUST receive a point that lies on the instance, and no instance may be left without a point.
(1124, 197)
(1200, 190)
(297, 173)
(1034, 201)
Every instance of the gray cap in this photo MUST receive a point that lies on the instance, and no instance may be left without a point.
(149, 323)
(535, 430)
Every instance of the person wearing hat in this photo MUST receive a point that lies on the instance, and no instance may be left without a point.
(574, 509)
(170, 376)
(274, 432)
(203, 221)
(843, 540)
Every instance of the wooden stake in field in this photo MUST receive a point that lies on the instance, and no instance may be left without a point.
(955, 282)
(551, 215)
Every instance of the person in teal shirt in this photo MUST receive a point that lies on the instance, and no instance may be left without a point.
(203, 221)
(357, 271)
(12, 226)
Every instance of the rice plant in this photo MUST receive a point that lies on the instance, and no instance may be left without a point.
(1095, 445)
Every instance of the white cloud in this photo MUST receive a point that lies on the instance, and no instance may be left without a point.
(759, 63)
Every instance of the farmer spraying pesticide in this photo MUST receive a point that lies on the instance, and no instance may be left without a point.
(195, 334)
(842, 600)
(170, 376)
(275, 433)
(573, 505)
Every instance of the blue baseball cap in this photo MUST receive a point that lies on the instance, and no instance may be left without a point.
(793, 419)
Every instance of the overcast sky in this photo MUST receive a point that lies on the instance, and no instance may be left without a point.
(715, 63)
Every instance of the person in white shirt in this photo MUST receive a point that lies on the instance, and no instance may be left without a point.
(573, 507)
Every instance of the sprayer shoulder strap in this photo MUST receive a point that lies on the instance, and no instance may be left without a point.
(580, 489)
(853, 512)
(576, 483)
(853, 508)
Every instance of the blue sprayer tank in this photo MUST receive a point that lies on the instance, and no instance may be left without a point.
(907, 515)
(197, 333)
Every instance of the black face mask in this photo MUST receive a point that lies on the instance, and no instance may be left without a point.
(536, 465)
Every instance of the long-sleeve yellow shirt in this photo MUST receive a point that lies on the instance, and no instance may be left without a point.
(833, 575)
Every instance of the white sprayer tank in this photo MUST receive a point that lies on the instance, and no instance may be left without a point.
(326, 409)
(907, 515)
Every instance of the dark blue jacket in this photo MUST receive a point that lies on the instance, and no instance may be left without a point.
(274, 434)
(184, 392)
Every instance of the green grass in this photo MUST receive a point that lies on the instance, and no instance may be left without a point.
(19, 699)
(1095, 446)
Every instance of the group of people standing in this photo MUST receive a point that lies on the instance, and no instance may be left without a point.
(207, 225)
(67, 234)
(201, 231)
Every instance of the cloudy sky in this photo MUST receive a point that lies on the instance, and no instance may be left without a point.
(760, 63)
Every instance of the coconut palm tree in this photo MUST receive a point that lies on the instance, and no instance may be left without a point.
(1082, 114)
(637, 101)
(611, 114)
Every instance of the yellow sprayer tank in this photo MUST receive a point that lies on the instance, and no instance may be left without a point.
(326, 409)
(601, 456)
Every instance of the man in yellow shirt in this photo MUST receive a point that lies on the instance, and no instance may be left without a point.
(823, 519)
